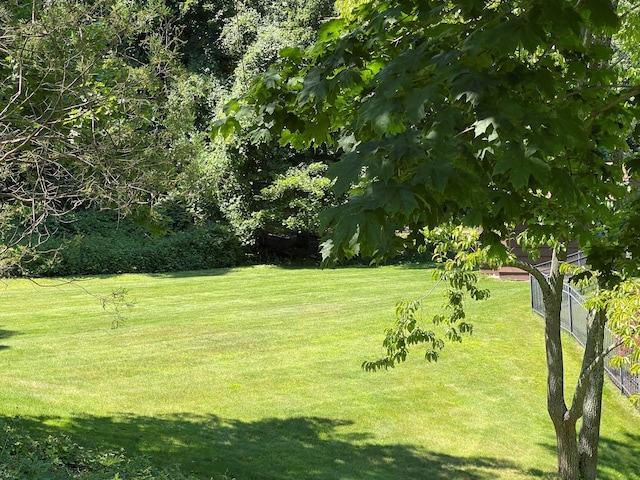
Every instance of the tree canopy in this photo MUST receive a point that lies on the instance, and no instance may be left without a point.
(485, 114)
(474, 111)
(108, 104)
(79, 115)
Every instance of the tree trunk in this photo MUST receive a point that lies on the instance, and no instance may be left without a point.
(577, 456)
(592, 404)
(568, 458)
(565, 425)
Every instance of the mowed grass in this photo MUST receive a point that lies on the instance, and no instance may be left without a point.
(254, 373)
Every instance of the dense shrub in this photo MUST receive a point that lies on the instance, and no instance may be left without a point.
(58, 458)
(93, 242)
(126, 251)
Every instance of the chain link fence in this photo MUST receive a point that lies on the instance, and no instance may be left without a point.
(574, 319)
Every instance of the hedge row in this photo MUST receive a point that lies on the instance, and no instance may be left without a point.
(197, 248)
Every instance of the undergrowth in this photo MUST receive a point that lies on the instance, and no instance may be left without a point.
(55, 458)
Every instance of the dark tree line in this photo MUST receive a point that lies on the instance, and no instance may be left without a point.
(108, 104)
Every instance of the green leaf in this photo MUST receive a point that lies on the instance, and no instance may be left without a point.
(470, 86)
(414, 102)
(521, 167)
(435, 173)
(260, 135)
(380, 115)
(331, 30)
(406, 147)
(326, 250)
(318, 130)
(481, 126)
(505, 37)
(314, 88)
(292, 138)
(470, 8)
(292, 53)
(546, 81)
(394, 198)
(346, 171)
(271, 79)
(564, 20)
(225, 127)
(601, 13)
(347, 77)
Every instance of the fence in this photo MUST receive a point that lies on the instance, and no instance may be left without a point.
(574, 319)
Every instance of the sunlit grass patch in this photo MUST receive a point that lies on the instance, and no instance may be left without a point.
(255, 373)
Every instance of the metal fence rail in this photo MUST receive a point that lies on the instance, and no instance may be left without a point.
(574, 318)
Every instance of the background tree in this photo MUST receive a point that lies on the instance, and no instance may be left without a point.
(474, 113)
(155, 76)
(244, 38)
(81, 118)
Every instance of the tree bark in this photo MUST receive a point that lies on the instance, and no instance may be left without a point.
(564, 424)
(592, 404)
(568, 458)
(577, 455)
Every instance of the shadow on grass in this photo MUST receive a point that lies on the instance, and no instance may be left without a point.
(6, 334)
(614, 453)
(616, 459)
(292, 448)
(215, 272)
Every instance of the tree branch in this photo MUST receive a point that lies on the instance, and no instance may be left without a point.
(535, 272)
(583, 382)
(635, 90)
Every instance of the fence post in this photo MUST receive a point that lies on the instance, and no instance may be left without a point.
(533, 302)
(570, 312)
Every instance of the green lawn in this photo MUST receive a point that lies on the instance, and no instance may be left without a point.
(255, 373)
